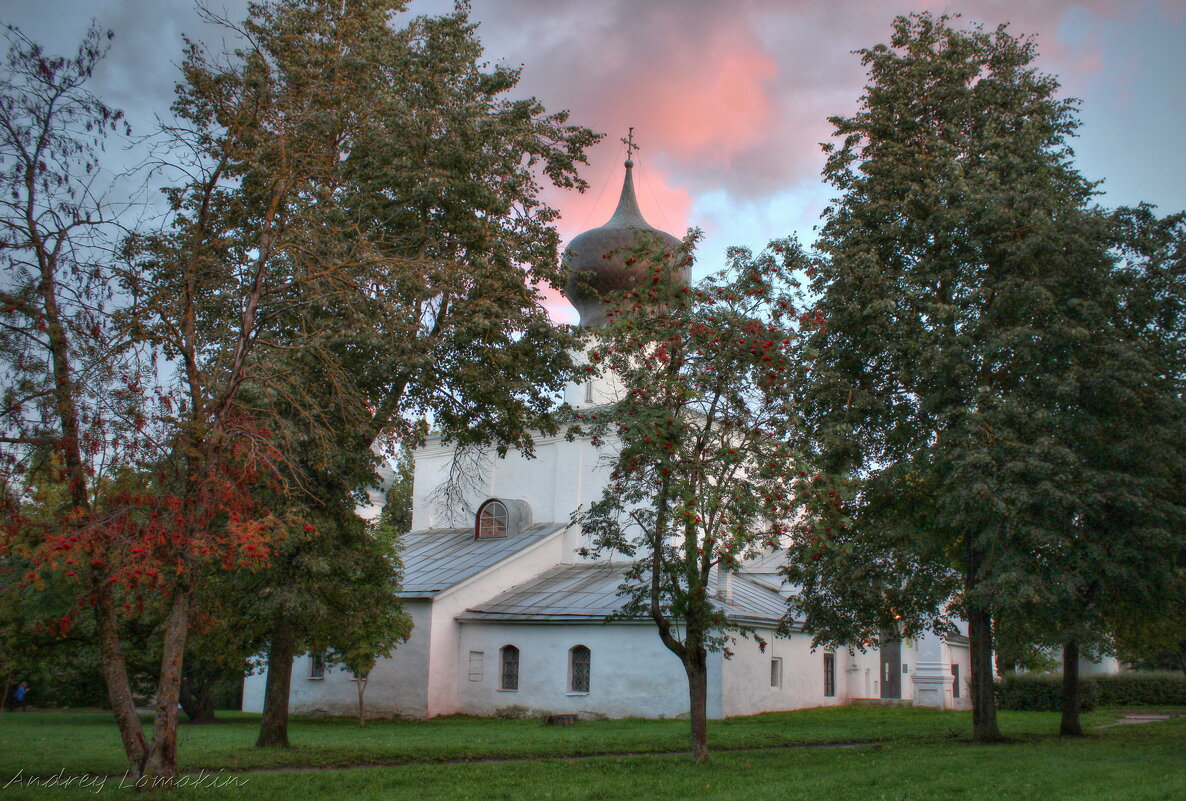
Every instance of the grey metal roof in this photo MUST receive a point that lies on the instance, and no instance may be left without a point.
(590, 592)
(768, 562)
(437, 559)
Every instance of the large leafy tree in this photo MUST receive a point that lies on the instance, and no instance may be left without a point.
(700, 444)
(153, 394)
(365, 197)
(958, 376)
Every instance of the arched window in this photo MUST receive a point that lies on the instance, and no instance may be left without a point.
(580, 662)
(493, 520)
(509, 674)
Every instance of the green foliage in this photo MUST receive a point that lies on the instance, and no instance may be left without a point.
(396, 188)
(945, 293)
(984, 370)
(704, 462)
(1041, 692)
(1139, 688)
(396, 518)
(700, 463)
(357, 188)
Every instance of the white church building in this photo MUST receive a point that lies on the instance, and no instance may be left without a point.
(509, 618)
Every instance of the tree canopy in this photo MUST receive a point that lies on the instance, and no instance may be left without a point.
(701, 445)
(972, 366)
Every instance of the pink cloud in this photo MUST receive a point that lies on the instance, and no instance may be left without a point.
(734, 97)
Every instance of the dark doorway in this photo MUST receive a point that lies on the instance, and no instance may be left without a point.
(891, 667)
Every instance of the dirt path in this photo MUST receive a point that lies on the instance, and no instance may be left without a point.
(1135, 717)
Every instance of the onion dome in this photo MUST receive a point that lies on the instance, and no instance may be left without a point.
(596, 261)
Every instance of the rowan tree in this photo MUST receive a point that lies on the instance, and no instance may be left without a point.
(701, 444)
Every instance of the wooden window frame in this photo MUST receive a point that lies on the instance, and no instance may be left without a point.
(493, 521)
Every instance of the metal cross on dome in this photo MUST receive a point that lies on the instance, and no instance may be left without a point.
(628, 141)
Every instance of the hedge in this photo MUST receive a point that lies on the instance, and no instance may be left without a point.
(1042, 692)
(1141, 687)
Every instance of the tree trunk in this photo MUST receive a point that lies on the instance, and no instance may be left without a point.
(362, 709)
(1070, 725)
(119, 688)
(273, 729)
(162, 757)
(696, 666)
(196, 701)
(984, 702)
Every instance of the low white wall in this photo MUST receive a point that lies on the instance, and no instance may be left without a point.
(397, 685)
(632, 674)
(747, 687)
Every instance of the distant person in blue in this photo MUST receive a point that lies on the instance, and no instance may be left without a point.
(20, 697)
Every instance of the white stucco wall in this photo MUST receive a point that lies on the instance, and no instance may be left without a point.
(445, 650)
(632, 674)
(747, 688)
(391, 691)
(960, 654)
(420, 679)
(562, 477)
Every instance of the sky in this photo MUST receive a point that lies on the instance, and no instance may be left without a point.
(729, 99)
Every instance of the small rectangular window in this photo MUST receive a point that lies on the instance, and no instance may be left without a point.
(476, 658)
(776, 671)
(829, 675)
(317, 666)
(905, 669)
(955, 681)
(589, 392)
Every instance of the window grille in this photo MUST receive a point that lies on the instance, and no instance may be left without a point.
(317, 666)
(510, 668)
(829, 675)
(580, 669)
(492, 520)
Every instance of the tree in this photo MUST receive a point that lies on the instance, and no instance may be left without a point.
(1152, 250)
(1109, 538)
(377, 197)
(962, 267)
(701, 445)
(77, 399)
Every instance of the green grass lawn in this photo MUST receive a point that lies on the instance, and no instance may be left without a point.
(919, 754)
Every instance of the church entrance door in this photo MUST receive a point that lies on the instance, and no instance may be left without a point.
(891, 668)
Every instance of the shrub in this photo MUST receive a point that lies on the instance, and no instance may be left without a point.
(1040, 692)
(1153, 688)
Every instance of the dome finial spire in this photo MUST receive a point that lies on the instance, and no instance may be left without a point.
(628, 141)
(604, 261)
